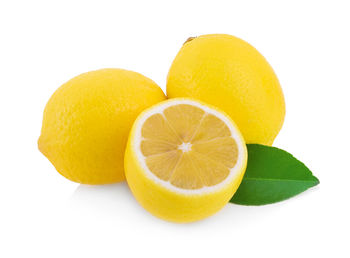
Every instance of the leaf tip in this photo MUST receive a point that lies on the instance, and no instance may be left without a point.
(317, 181)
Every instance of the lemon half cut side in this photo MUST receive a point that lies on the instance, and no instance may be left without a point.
(184, 160)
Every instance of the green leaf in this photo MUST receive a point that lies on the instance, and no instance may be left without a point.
(272, 175)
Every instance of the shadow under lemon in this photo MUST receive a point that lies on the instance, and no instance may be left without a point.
(111, 199)
(116, 201)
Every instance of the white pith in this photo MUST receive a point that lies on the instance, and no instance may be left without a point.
(158, 109)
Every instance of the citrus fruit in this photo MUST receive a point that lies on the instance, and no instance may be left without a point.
(87, 121)
(184, 160)
(230, 74)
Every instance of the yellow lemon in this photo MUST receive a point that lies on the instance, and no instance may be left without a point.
(228, 73)
(184, 160)
(87, 121)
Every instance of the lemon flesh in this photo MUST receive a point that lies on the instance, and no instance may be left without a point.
(87, 121)
(227, 72)
(184, 160)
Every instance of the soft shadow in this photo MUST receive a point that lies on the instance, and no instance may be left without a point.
(117, 201)
(107, 192)
(102, 198)
(112, 200)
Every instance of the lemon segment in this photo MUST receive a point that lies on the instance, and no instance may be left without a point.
(182, 153)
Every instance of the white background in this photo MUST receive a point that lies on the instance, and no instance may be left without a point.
(45, 43)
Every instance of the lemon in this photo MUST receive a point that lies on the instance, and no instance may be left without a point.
(184, 160)
(87, 121)
(227, 72)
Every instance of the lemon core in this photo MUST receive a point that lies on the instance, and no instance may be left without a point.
(186, 146)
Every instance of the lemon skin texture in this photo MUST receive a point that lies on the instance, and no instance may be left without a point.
(227, 72)
(168, 205)
(87, 121)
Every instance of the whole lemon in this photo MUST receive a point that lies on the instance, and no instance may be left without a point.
(227, 72)
(87, 121)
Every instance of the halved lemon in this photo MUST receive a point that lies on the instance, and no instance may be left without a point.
(184, 160)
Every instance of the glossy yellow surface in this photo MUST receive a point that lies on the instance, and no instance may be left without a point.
(227, 72)
(87, 121)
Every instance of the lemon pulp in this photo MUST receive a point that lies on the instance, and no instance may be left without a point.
(188, 147)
